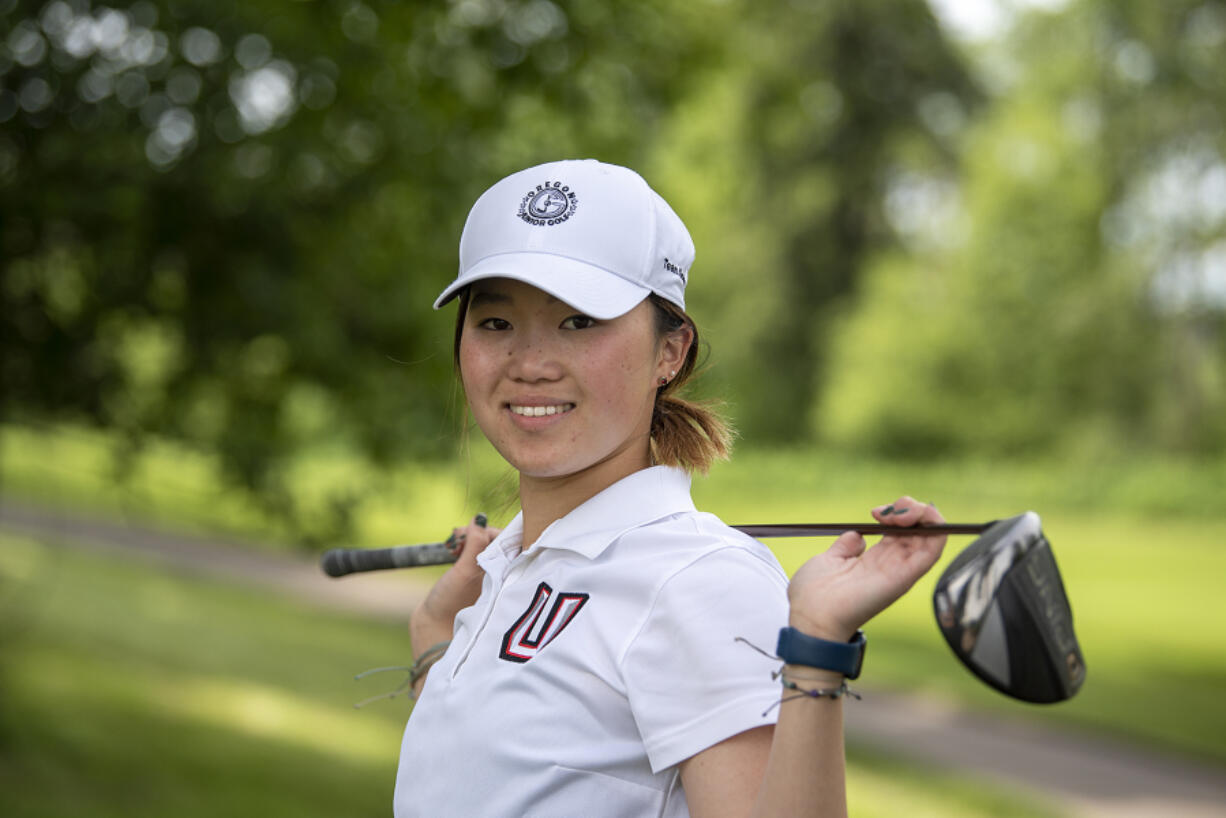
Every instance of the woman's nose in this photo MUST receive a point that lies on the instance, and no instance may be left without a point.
(533, 358)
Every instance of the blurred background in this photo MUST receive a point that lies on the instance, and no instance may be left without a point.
(970, 250)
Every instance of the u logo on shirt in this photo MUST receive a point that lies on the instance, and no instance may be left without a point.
(531, 631)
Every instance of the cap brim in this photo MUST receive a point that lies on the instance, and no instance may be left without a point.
(592, 290)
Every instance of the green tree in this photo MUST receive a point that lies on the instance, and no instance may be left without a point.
(850, 93)
(1083, 305)
(222, 222)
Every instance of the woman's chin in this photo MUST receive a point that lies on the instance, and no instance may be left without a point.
(609, 467)
(545, 469)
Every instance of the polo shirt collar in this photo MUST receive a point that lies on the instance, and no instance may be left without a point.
(635, 500)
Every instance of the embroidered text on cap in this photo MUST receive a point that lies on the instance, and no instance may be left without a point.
(549, 203)
(674, 269)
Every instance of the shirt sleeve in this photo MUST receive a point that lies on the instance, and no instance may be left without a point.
(690, 683)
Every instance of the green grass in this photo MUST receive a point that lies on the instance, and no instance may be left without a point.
(881, 787)
(131, 692)
(1136, 542)
(180, 488)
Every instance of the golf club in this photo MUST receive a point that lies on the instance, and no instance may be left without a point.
(339, 562)
(1000, 604)
(1002, 608)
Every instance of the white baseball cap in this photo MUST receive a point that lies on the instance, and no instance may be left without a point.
(591, 234)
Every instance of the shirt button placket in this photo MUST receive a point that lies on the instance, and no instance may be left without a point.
(510, 574)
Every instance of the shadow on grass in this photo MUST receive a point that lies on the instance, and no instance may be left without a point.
(125, 691)
(61, 759)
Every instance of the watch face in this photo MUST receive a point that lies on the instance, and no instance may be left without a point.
(862, 642)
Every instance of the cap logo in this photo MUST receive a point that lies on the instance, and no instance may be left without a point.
(547, 204)
(675, 270)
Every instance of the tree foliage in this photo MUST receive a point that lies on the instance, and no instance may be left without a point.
(222, 222)
(1083, 307)
(854, 93)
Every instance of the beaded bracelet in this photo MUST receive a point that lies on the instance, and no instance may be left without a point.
(415, 671)
(423, 664)
(831, 693)
(834, 693)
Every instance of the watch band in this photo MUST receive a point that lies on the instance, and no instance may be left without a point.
(796, 648)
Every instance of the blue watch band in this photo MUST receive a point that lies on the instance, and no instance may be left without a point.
(796, 648)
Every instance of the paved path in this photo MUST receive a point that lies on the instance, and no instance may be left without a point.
(1088, 775)
(388, 595)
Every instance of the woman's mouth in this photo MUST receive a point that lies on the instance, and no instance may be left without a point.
(540, 411)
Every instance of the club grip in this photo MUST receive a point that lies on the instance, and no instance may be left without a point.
(341, 561)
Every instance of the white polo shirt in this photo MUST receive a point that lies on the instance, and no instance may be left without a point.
(595, 661)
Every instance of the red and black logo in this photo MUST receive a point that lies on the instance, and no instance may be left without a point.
(531, 631)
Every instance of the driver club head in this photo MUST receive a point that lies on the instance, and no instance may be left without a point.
(1002, 608)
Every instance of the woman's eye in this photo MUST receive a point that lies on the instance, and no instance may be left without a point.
(494, 324)
(579, 322)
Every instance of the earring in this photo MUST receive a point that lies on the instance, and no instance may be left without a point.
(663, 380)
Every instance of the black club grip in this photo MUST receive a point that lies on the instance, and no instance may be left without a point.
(341, 561)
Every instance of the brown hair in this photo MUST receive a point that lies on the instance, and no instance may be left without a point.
(685, 433)
(689, 434)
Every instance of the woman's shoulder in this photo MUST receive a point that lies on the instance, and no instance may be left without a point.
(697, 540)
(697, 574)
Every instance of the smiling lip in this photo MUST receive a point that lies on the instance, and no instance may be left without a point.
(538, 411)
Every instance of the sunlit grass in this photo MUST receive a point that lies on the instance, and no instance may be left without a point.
(131, 692)
(878, 787)
(180, 488)
(240, 706)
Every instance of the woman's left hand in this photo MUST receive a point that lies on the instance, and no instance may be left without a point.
(836, 592)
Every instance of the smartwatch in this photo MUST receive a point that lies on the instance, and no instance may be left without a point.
(796, 648)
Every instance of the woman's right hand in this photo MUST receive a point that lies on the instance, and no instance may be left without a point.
(467, 542)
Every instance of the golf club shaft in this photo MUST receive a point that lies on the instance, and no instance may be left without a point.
(341, 561)
(835, 529)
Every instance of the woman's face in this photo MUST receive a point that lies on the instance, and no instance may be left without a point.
(555, 391)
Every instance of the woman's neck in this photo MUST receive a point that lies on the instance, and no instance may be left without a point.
(546, 499)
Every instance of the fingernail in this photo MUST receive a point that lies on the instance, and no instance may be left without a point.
(887, 510)
(900, 510)
(450, 541)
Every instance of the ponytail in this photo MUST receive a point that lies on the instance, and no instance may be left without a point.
(687, 434)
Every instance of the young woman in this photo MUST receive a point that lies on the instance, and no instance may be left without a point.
(594, 657)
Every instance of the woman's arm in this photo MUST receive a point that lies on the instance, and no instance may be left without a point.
(798, 768)
(455, 590)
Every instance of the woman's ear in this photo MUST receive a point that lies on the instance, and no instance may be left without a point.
(673, 349)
